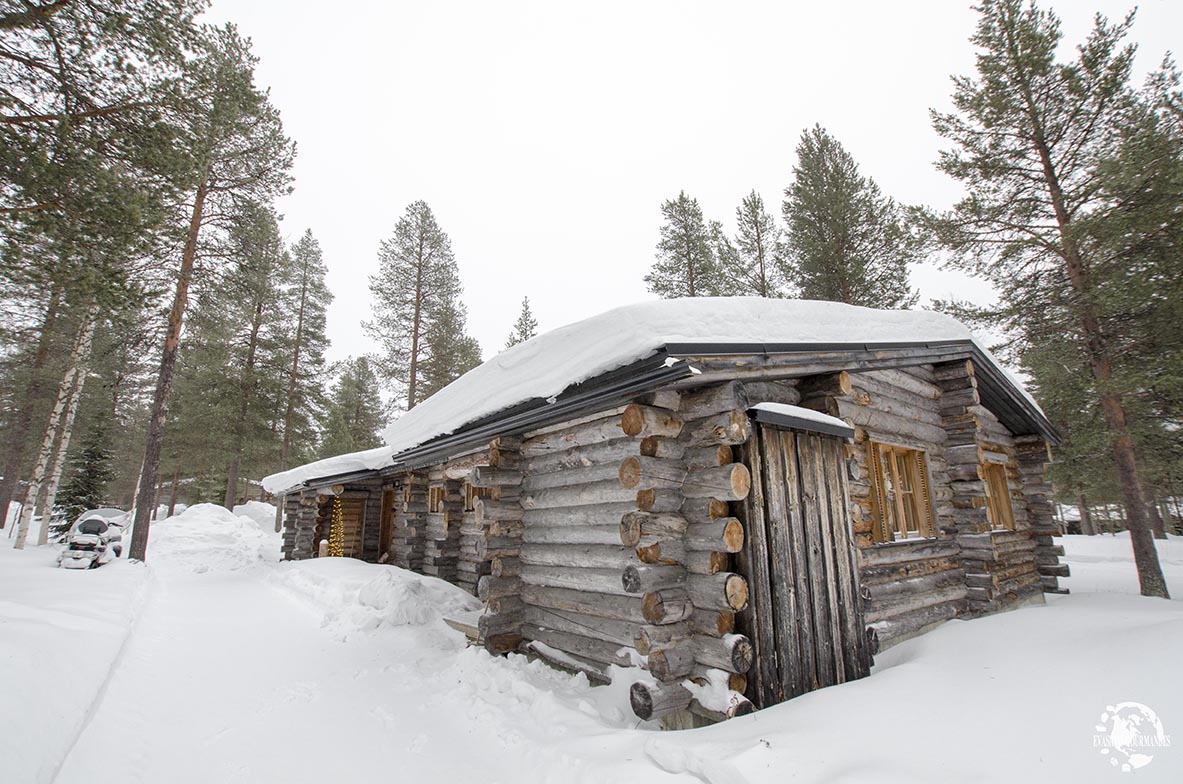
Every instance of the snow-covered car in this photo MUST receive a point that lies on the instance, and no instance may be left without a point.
(95, 538)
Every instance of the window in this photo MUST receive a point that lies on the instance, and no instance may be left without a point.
(471, 494)
(435, 498)
(901, 503)
(998, 505)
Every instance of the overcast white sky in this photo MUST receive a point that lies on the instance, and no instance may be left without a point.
(545, 135)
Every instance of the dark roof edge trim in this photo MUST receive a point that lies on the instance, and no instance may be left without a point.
(790, 422)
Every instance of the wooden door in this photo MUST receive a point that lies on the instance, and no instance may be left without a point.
(806, 619)
(353, 510)
(386, 526)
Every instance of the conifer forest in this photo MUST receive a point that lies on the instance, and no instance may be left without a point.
(164, 332)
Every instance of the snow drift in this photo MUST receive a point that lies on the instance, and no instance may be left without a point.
(209, 537)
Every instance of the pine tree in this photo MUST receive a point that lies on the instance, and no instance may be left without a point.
(416, 292)
(238, 153)
(524, 328)
(90, 472)
(1048, 221)
(305, 299)
(354, 413)
(687, 264)
(448, 351)
(845, 241)
(754, 267)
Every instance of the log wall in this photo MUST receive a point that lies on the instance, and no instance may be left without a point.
(908, 586)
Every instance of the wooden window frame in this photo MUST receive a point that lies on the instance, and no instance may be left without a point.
(1000, 511)
(471, 494)
(435, 499)
(890, 517)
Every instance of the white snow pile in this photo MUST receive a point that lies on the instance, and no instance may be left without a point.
(544, 366)
(357, 596)
(262, 513)
(209, 537)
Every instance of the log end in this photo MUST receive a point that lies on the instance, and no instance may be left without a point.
(733, 536)
(736, 590)
(630, 473)
(743, 654)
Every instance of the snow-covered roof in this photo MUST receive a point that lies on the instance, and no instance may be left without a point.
(548, 364)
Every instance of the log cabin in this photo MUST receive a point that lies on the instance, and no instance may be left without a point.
(739, 499)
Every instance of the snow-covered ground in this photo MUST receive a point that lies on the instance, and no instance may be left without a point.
(215, 663)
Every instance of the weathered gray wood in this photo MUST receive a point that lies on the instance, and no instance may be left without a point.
(733, 653)
(650, 638)
(724, 535)
(669, 605)
(613, 630)
(624, 607)
(753, 561)
(712, 623)
(668, 449)
(596, 493)
(730, 482)
(591, 580)
(722, 591)
(598, 454)
(574, 476)
(881, 380)
(602, 515)
(652, 701)
(567, 436)
(702, 510)
(639, 421)
(490, 477)
(590, 556)
(893, 630)
(857, 659)
(763, 391)
(883, 424)
(640, 473)
(643, 578)
(812, 495)
(490, 547)
(506, 567)
(804, 669)
(707, 401)
(596, 672)
(572, 534)
(729, 427)
(490, 587)
(634, 525)
(486, 510)
(671, 663)
(504, 605)
(706, 562)
(670, 399)
(578, 645)
(651, 550)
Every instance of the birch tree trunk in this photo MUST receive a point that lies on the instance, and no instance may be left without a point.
(19, 435)
(59, 461)
(79, 353)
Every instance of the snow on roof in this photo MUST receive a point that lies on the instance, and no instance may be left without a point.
(544, 366)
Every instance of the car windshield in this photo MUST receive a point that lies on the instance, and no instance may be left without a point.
(92, 526)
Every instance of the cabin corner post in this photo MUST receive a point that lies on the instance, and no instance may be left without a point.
(683, 538)
(999, 563)
(302, 525)
(410, 523)
(499, 543)
(1033, 456)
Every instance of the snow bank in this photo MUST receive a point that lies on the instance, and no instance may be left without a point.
(544, 366)
(209, 537)
(358, 596)
(262, 513)
(61, 633)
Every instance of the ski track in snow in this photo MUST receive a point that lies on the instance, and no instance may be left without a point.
(231, 669)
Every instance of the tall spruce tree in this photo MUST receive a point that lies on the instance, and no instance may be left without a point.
(755, 268)
(524, 328)
(353, 415)
(1049, 222)
(237, 153)
(90, 471)
(305, 299)
(416, 295)
(449, 351)
(687, 263)
(845, 241)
